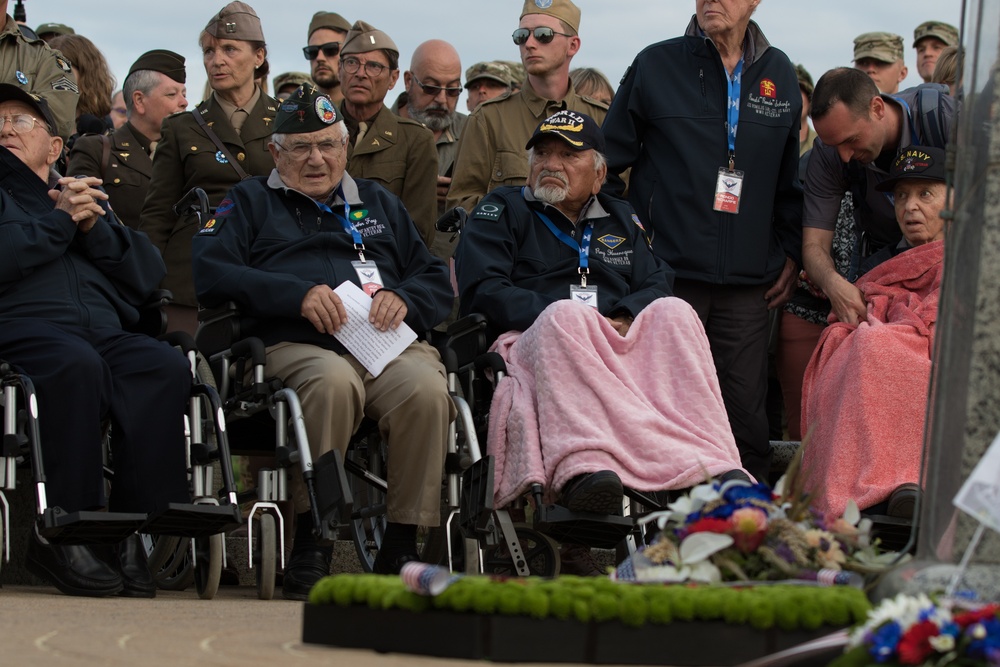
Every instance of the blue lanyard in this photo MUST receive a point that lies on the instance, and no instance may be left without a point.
(583, 248)
(733, 116)
(359, 243)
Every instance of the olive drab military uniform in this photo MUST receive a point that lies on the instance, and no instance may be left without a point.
(400, 155)
(126, 170)
(187, 158)
(40, 70)
(491, 151)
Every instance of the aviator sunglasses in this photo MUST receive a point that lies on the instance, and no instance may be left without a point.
(330, 49)
(542, 34)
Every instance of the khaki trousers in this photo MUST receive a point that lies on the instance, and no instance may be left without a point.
(409, 401)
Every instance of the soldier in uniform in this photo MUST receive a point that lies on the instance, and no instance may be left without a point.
(486, 80)
(491, 152)
(39, 70)
(395, 152)
(880, 56)
(124, 161)
(930, 38)
(49, 31)
(221, 142)
(287, 82)
(327, 32)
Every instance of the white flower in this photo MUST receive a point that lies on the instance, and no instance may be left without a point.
(693, 563)
(942, 643)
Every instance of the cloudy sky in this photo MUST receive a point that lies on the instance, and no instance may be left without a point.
(817, 34)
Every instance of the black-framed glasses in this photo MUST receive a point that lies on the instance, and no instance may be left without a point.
(351, 65)
(330, 49)
(434, 91)
(300, 151)
(543, 34)
(22, 123)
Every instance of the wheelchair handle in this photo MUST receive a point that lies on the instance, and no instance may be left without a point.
(181, 339)
(252, 348)
(194, 201)
(452, 221)
(493, 361)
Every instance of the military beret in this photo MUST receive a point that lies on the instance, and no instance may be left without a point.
(883, 46)
(54, 29)
(328, 20)
(305, 110)
(9, 92)
(488, 70)
(237, 20)
(578, 130)
(290, 79)
(946, 32)
(805, 80)
(364, 37)
(161, 60)
(563, 10)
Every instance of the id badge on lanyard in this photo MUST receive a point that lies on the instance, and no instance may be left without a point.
(729, 184)
(368, 273)
(582, 293)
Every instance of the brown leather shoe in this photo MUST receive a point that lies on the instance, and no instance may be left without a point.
(577, 559)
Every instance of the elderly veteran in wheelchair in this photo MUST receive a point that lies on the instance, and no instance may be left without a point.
(71, 277)
(610, 379)
(278, 246)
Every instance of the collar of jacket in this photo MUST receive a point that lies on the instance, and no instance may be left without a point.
(592, 209)
(753, 48)
(258, 126)
(347, 184)
(539, 106)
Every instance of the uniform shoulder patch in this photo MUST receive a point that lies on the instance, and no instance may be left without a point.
(488, 211)
(211, 228)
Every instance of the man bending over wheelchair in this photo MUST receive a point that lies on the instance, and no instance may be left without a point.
(610, 380)
(71, 276)
(277, 246)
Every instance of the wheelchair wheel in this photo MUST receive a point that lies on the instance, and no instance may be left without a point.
(265, 559)
(208, 565)
(169, 561)
(541, 554)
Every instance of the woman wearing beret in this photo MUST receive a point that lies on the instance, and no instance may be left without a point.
(221, 142)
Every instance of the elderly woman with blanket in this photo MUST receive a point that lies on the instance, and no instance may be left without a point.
(864, 394)
(610, 380)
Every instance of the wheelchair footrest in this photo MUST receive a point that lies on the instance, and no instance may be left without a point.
(60, 527)
(601, 531)
(193, 520)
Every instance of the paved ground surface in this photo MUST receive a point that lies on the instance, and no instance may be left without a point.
(43, 627)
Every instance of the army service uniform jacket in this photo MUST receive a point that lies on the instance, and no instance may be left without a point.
(400, 154)
(187, 158)
(126, 172)
(491, 151)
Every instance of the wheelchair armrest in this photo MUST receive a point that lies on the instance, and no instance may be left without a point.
(194, 202)
(252, 349)
(181, 339)
(492, 361)
(152, 320)
(218, 328)
(465, 339)
(452, 221)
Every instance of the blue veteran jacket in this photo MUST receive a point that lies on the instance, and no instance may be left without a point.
(510, 266)
(51, 271)
(268, 245)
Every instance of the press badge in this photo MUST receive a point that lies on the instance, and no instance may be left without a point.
(369, 276)
(585, 295)
(728, 190)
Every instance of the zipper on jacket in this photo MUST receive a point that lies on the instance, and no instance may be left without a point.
(704, 95)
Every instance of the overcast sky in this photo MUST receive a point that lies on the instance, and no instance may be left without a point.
(818, 34)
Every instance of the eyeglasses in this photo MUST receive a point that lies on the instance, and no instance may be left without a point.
(22, 123)
(300, 151)
(352, 65)
(330, 49)
(434, 91)
(542, 34)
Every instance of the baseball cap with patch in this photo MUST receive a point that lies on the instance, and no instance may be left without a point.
(915, 162)
(305, 110)
(488, 70)
(883, 46)
(237, 20)
(563, 10)
(9, 91)
(946, 32)
(578, 130)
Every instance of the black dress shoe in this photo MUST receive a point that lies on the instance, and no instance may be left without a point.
(392, 564)
(305, 567)
(73, 569)
(134, 569)
(598, 492)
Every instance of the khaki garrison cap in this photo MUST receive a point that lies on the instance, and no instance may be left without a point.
(328, 20)
(946, 32)
(883, 46)
(563, 10)
(237, 20)
(364, 37)
(488, 70)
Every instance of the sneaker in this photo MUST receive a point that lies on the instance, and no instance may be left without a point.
(598, 492)
(578, 560)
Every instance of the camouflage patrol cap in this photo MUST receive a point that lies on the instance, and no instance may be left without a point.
(163, 61)
(305, 110)
(54, 29)
(328, 20)
(946, 32)
(518, 74)
(364, 37)
(805, 80)
(564, 10)
(295, 79)
(237, 20)
(493, 70)
(883, 46)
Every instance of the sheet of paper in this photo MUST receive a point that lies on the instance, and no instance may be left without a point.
(980, 495)
(373, 348)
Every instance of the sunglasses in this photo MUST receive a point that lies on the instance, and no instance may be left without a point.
(542, 34)
(434, 91)
(330, 49)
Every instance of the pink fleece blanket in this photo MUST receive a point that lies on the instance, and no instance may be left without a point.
(864, 394)
(579, 398)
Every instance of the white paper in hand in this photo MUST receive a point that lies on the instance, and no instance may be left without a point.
(373, 348)
(980, 495)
